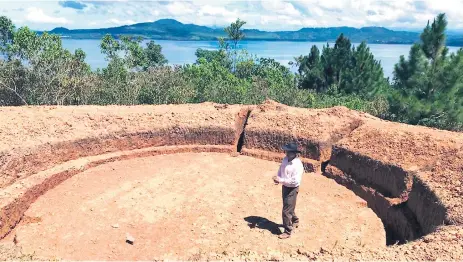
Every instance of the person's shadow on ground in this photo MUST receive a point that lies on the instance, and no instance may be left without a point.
(263, 223)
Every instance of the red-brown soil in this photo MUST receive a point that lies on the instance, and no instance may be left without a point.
(187, 206)
(61, 134)
(411, 177)
(435, 157)
(271, 124)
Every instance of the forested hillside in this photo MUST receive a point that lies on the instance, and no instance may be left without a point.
(170, 29)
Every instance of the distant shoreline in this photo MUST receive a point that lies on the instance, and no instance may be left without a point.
(260, 40)
(173, 30)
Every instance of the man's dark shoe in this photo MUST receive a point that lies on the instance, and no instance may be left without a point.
(284, 236)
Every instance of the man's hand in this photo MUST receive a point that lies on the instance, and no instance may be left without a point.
(275, 180)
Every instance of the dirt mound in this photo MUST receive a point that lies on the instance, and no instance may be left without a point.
(270, 105)
(314, 130)
(411, 147)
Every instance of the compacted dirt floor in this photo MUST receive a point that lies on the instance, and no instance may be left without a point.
(189, 206)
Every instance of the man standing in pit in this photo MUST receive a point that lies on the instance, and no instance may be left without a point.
(289, 175)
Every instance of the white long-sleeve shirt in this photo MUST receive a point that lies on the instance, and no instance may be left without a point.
(290, 172)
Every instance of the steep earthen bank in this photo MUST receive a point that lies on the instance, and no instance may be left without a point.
(270, 125)
(421, 166)
(410, 176)
(37, 138)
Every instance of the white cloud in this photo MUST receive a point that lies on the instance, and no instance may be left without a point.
(216, 11)
(318, 11)
(179, 8)
(280, 7)
(155, 12)
(260, 14)
(18, 21)
(121, 22)
(37, 15)
(333, 4)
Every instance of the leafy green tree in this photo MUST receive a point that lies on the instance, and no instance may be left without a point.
(246, 64)
(134, 56)
(214, 55)
(38, 70)
(153, 55)
(278, 83)
(116, 85)
(165, 85)
(12, 83)
(110, 47)
(215, 83)
(7, 29)
(120, 81)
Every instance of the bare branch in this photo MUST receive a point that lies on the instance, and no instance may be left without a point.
(16, 93)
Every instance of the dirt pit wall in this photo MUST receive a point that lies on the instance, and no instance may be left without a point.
(418, 170)
(410, 176)
(37, 138)
(271, 125)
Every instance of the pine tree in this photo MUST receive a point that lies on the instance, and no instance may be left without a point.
(311, 72)
(433, 38)
(365, 75)
(429, 85)
(341, 69)
(235, 34)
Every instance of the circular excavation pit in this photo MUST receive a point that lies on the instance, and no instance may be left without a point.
(191, 206)
(61, 198)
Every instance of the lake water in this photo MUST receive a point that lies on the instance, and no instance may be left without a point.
(183, 52)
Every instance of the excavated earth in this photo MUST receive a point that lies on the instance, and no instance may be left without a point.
(194, 182)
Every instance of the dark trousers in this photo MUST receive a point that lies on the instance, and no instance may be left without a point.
(289, 204)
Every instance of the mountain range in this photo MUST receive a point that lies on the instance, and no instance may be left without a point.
(170, 29)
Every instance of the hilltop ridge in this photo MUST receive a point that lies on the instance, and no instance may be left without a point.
(171, 29)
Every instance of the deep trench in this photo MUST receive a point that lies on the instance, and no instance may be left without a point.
(242, 138)
(400, 222)
(324, 165)
(392, 236)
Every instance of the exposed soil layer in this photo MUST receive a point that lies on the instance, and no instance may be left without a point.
(411, 177)
(240, 126)
(186, 206)
(271, 125)
(37, 138)
(310, 165)
(388, 179)
(398, 219)
(430, 158)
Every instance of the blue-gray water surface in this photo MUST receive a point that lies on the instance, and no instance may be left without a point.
(183, 52)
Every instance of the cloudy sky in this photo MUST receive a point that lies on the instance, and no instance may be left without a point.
(263, 14)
